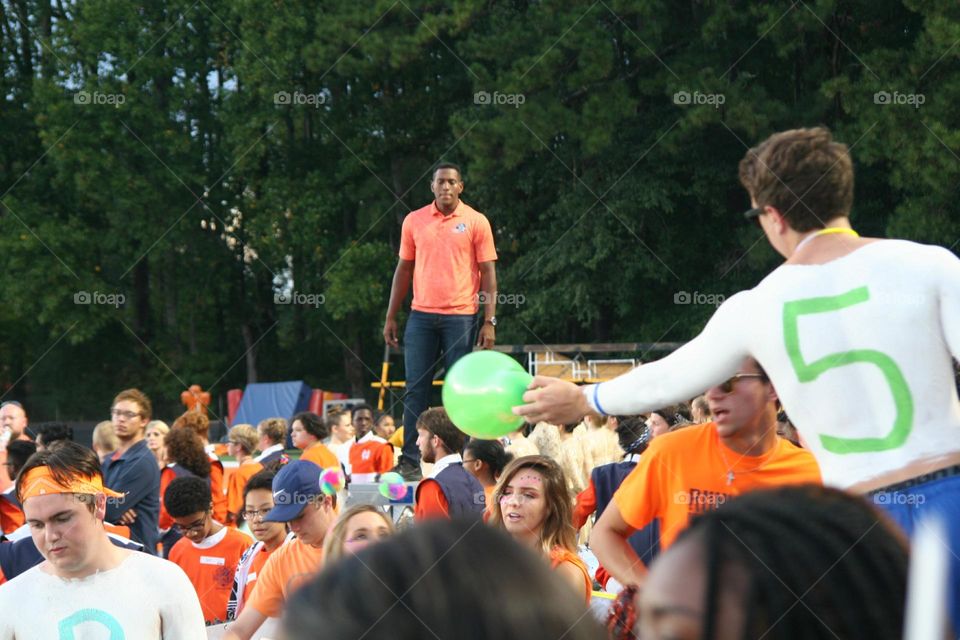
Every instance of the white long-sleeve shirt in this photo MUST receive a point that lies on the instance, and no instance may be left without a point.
(858, 349)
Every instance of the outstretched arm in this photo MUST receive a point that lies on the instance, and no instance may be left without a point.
(708, 359)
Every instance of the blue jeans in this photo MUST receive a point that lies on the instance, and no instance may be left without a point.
(907, 507)
(425, 337)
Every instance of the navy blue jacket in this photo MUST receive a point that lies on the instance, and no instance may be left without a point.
(136, 475)
(606, 480)
(464, 493)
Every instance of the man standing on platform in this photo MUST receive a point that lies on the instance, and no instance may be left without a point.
(447, 250)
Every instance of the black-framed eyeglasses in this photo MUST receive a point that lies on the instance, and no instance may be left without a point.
(196, 526)
(257, 514)
(727, 385)
(128, 415)
(465, 461)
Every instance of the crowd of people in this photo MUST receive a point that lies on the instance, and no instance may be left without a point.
(279, 533)
(725, 491)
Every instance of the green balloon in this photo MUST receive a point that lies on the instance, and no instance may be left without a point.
(481, 389)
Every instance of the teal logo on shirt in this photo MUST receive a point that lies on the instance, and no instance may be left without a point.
(460, 228)
(68, 624)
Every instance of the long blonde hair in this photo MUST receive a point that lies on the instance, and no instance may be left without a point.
(557, 528)
(333, 542)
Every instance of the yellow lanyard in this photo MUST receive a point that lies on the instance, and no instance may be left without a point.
(824, 232)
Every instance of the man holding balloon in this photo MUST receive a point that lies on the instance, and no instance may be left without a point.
(857, 335)
(447, 251)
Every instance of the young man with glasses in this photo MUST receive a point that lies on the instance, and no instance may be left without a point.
(301, 504)
(701, 467)
(258, 501)
(208, 552)
(132, 470)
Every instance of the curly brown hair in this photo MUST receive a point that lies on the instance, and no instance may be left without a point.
(185, 448)
(197, 422)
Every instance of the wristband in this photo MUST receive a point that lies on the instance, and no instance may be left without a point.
(596, 401)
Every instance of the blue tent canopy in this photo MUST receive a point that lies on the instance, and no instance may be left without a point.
(264, 400)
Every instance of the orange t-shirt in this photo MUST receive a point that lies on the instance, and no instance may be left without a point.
(11, 516)
(686, 472)
(320, 455)
(217, 489)
(447, 252)
(369, 456)
(286, 569)
(210, 565)
(431, 503)
(238, 480)
(559, 555)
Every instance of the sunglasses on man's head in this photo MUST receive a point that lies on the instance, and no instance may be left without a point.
(727, 385)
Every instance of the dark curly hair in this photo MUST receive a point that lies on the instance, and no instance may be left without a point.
(186, 449)
(186, 496)
(834, 548)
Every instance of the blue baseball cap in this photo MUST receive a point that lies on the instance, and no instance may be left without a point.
(295, 485)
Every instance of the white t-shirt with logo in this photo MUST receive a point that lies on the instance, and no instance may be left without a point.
(142, 598)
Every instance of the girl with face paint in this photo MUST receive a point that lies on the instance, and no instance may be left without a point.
(531, 503)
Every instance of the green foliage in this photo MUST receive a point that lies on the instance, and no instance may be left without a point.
(193, 161)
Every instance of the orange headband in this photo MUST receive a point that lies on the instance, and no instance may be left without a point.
(40, 482)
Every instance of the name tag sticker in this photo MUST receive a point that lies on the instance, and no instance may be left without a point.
(212, 560)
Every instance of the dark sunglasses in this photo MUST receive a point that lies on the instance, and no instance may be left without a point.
(727, 386)
(754, 213)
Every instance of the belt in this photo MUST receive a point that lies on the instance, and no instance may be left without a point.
(939, 474)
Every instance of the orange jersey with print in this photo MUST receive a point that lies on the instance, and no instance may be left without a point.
(320, 455)
(238, 480)
(286, 569)
(431, 502)
(446, 252)
(689, 471)
(559, 556)
(210, 567)
(369, 457)
(218, 489)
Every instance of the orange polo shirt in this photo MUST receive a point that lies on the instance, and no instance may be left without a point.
(447, 252)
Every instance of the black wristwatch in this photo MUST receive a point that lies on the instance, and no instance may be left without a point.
(491, 320)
